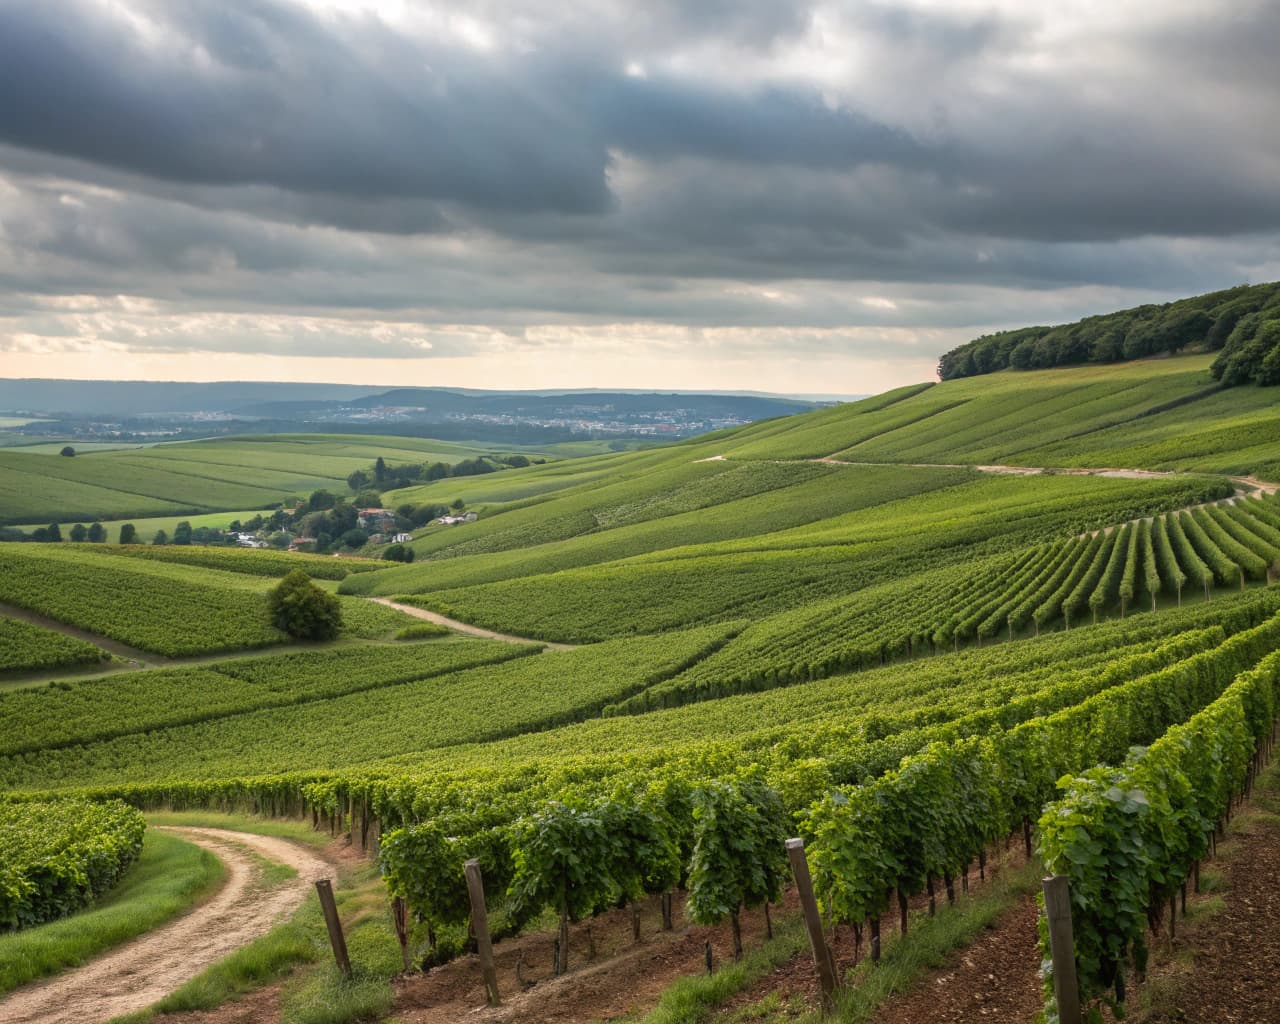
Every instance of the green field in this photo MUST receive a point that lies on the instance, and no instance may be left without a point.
(179, 479)
(842, 625)
(148, 527)
(24, 648)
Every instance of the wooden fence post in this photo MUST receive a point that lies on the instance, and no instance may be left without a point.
(812, 919)
(325, 888)
(1057, 907)
(480, 924)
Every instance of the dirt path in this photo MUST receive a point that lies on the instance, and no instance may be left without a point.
(994, 978)
(1235, 951)
(145, 970)
(623, 978)
(1245, 483)
(466, 627)
(120, 650)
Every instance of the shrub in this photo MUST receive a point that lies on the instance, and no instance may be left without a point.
(301, 609)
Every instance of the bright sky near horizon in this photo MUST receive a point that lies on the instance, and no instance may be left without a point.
(811, 197)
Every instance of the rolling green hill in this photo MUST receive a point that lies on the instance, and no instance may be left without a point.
(242, 473)
(939, 600)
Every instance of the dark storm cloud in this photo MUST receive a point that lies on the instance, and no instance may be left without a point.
(264, 94)
(595, 162)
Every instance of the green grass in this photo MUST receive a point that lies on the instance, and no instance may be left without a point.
(148, 527)
(694, 998)
(171, 610)
(298, 949)
(25, 648)
(174, 479)
(928, 944)
(281, 828)
(169, 877)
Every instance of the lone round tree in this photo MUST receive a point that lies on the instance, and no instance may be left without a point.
(303, 610)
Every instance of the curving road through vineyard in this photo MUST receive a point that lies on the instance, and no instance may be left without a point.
(466, 627)
(143, 971)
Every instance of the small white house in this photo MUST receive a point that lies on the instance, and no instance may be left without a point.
(402, 538)
(466, 517)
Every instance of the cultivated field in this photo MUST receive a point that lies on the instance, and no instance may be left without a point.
(855, 626)
(190, 478)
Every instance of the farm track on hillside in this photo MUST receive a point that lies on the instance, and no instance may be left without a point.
(466, 627)
(1249, 484)
(132, 654)
(143, 971)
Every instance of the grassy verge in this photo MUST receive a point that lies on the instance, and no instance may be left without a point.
(169, 877)
(298, 949)
(283, 828)
(323, 995)
(695, 998)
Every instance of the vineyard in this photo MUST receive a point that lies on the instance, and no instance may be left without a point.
(253, 562)
(903, 664)
(165, 613)
(58, 856)
(197, 476)
(24, 647)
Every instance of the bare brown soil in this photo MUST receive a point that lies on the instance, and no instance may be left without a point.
(996, 978)
(623, 977)
(145, 970)
(1234, 972)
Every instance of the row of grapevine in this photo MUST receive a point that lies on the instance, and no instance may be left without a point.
(409, 710)
(147, 610)
(252, 561)
(852, 727)
(24, 647)
(581, 853)
(72, 713)
(935, 813)
(588, 853)
(60, 855)
(491, 813)
(1127, 836)
(985, 598)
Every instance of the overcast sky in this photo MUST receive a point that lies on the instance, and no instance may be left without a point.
(705, 194)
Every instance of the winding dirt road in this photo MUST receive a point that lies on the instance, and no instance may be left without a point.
(466, 627)
(137, 974)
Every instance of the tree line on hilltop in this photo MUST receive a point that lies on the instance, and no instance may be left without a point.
(1241, 324)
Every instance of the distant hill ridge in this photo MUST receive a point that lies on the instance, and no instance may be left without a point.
(1241, 324)
(286, 399)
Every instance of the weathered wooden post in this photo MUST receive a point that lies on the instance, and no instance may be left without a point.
(812, 919)
(1057, 907)
(480, 924)
(339, 943)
